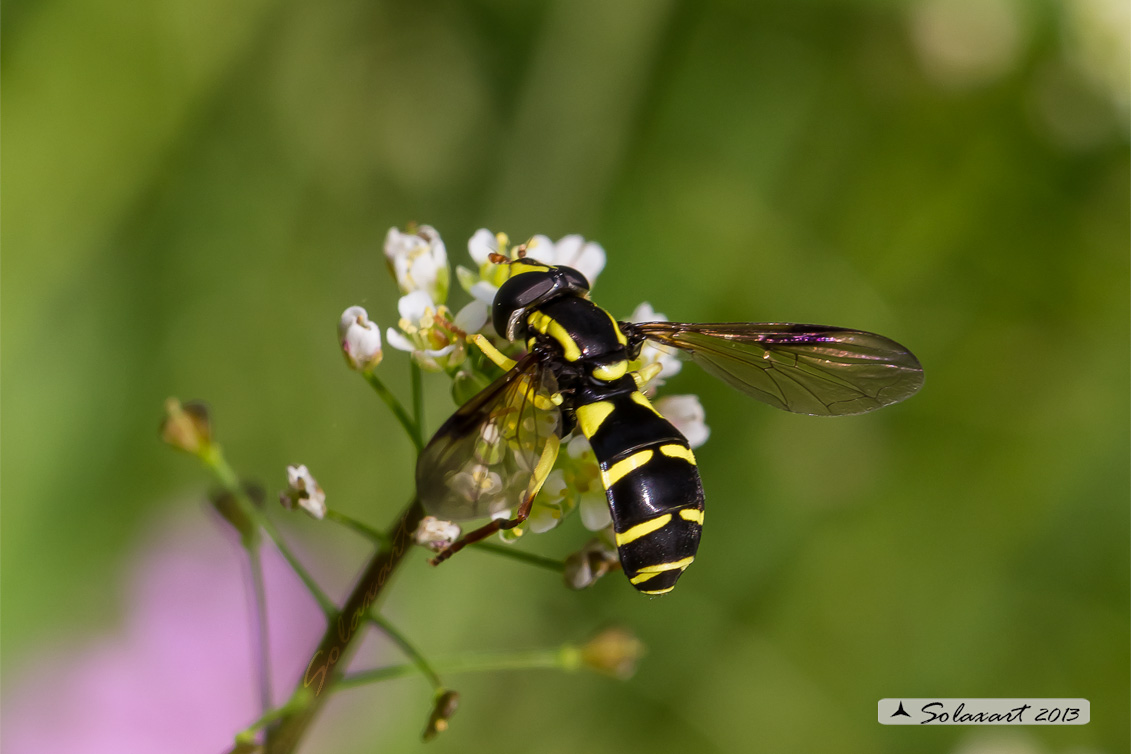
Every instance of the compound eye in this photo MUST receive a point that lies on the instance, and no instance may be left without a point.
(535, 287)
(515, 296)
(575, 280)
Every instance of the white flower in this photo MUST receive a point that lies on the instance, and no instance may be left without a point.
(587, 257)
(360, 339)
(688, 416)
(436, 534)
(419, 261)
(419, 333)
(303, 492)
(651, 353)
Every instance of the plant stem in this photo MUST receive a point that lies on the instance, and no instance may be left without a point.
(413, 653)
(326, 666)
(258, 594)
(418, 404)
(525, 557)
(396, 407)
(562, 658)
(373, 535)
(324, 603)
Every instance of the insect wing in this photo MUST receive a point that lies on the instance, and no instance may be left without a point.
(482, 459)
(806, 369)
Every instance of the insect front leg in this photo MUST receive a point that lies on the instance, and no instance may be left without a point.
(492, 353)
(541, 472)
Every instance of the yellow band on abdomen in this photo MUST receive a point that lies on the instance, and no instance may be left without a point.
(641, 530)
(618, 470)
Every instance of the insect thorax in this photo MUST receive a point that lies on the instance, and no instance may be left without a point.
(583, 335)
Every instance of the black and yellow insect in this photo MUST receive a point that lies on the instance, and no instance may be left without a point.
(495, 452)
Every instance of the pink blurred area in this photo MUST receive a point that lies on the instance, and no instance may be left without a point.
(177, 674)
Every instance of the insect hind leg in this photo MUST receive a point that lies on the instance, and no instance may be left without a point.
(541, 472)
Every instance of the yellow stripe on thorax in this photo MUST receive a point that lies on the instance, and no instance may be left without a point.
(610, 372)
(641, 530)
(616, 328)
(621, 468)
(547, 325)
(592, 416)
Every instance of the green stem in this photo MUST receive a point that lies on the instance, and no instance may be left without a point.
(361, 528)
(566, 657)
(295, 704)
(413, 653)
(259, 629)
(418, 403)
(523, 557)
(325, 604)
(396, 407)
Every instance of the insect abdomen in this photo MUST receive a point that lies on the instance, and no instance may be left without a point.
(652, 484)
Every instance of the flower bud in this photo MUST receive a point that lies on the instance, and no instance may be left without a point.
(591, 562)
(447, 702)
(303, 492)
(186, 426)
(615, 652)
(360, 339)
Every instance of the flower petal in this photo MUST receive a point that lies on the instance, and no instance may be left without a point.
(472, 317)
(590, 261)
(481, 245)
(398, 341)
(594, 508)
(484, 291)
(541, 248)
(688, 416)
(412, 306)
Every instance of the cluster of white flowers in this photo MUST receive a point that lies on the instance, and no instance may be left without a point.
(437, 340)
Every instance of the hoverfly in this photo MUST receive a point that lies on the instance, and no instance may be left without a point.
(495, 452)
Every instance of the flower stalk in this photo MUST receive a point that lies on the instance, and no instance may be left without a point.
(326, 666)
(406, 421)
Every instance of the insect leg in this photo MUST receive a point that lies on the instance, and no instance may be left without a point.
(644, 374)
(492, 353)
(541, 472)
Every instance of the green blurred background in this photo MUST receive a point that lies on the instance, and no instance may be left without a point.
(194, 191)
